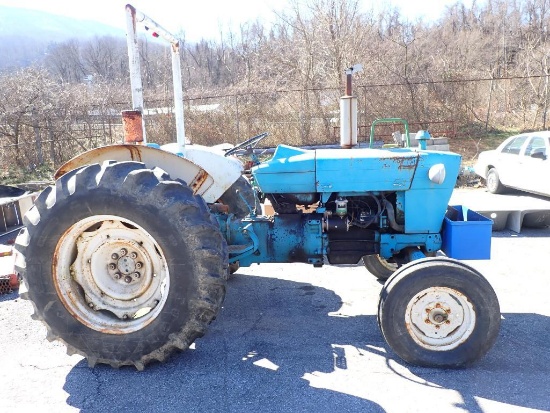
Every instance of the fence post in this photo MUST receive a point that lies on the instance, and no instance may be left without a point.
(238, 137)
(37, 137)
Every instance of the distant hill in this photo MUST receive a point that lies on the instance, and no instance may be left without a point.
(25, 34)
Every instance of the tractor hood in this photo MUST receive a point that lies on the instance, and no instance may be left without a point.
(294, 170)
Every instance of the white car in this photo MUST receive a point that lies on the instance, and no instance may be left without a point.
(520, 162)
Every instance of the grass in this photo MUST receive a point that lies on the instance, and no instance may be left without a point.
(15, 175)
(470, 146)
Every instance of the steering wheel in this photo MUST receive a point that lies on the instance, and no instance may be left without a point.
(246, 146)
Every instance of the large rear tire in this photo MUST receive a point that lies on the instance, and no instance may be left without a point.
(439, 312)
(122, 264)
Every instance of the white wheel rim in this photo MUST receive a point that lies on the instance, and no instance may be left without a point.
(491, 182)
(110, 274)
(440, 318)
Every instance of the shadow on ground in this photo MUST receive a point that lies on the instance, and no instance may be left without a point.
(272, 332)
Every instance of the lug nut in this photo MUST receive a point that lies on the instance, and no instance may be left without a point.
(137, 274)
(139, 265)
(112, 266)
(133, 255)
(123, 252)
(128, 279)
(118, 275)
(114, 256)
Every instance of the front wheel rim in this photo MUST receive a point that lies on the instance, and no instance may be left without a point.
(110, 274)
(491, 182)
(440, 318)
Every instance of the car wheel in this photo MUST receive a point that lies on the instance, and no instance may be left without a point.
(494, 185)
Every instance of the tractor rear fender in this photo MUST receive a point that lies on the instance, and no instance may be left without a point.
(210, 179)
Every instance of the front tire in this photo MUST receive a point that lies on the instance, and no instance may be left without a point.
(439, 312)
(122, 264)
(494, 185)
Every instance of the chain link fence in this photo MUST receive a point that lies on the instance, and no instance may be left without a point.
(294, 117)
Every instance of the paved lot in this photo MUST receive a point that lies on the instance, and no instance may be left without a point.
(292, 338)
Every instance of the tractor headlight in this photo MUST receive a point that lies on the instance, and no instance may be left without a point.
(437, 173)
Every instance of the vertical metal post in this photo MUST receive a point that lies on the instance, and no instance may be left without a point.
(178, 96)
(134, 16)
(134, 63)
(237, 109)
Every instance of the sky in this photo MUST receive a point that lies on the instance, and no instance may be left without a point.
(203, 19)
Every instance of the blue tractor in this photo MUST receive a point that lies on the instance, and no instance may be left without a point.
(126, 258)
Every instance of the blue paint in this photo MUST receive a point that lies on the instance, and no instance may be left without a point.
(422, 137)
(365, 201)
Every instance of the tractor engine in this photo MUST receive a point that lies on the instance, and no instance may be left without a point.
(352, 224)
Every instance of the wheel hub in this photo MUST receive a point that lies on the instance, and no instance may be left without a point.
(122, 290)
(438, 315)
(440, 318)
(126, 266)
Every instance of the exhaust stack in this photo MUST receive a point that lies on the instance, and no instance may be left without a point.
(348, 112)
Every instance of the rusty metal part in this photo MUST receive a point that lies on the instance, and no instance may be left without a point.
(6, 253)
(132, 125)
(199, 180)
(5, 287)
(8, 283)
(8, 279)
(14, 281)
(220, 208)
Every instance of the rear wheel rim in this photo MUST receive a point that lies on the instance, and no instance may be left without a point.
(110, 274)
